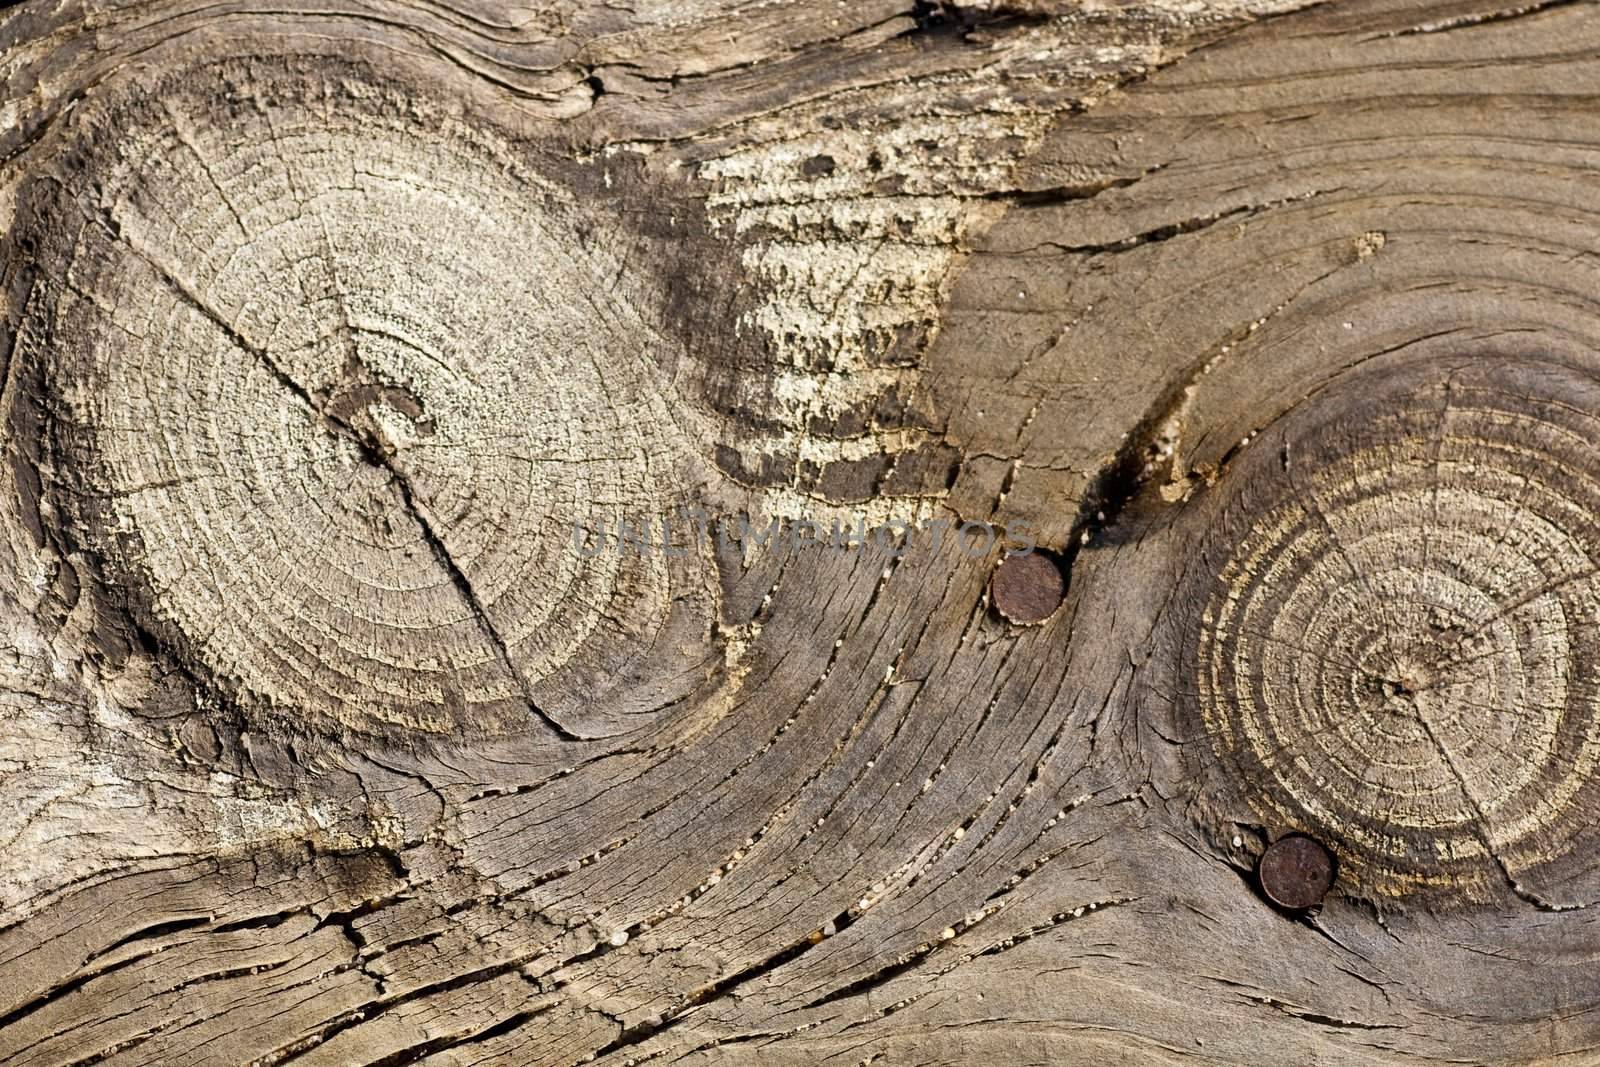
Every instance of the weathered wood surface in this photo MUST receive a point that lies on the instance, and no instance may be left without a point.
(324, 324)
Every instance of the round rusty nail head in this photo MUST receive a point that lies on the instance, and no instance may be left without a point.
(1027, 589)
(1296, 872)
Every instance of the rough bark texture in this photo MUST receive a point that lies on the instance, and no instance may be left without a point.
(324, 743)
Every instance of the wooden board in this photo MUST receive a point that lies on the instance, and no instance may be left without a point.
(342, 722)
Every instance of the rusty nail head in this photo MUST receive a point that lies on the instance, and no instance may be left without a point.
(1296, 872)
(1027, 589)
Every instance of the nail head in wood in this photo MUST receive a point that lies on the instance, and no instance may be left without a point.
(1295, 872)
(1027, 589)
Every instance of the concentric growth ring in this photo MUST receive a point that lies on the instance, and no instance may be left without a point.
(1398, 646)
(336, 383)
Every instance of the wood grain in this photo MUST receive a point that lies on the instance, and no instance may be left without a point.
(328, 327)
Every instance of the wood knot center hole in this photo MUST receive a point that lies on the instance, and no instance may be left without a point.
(1400, 689)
